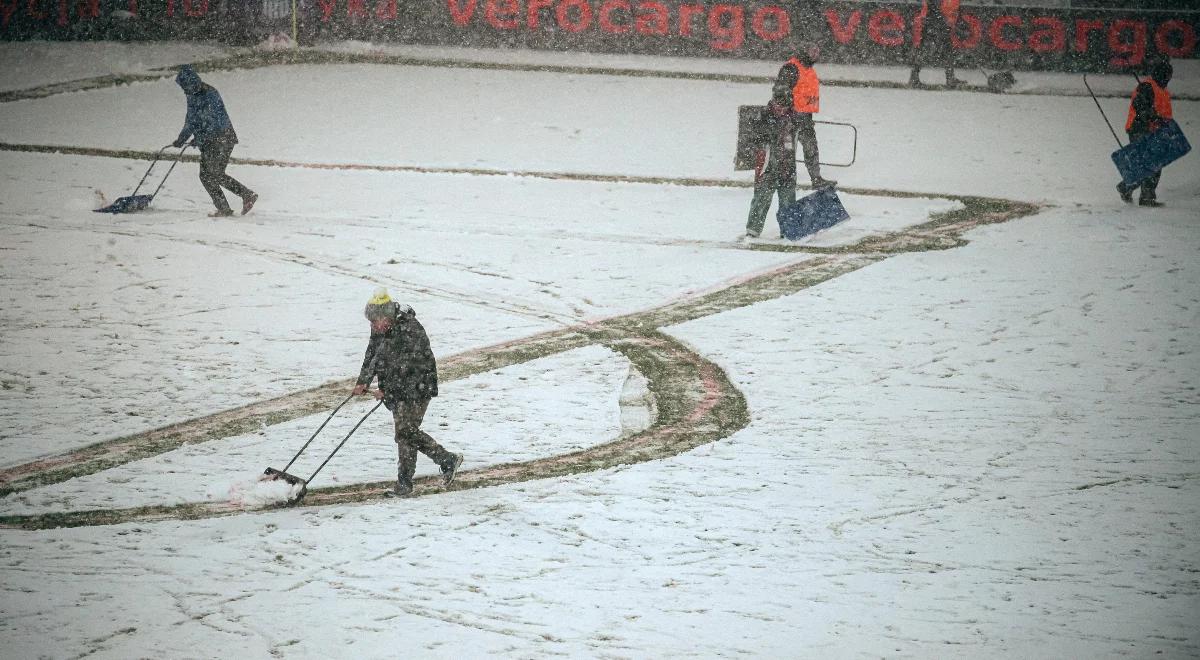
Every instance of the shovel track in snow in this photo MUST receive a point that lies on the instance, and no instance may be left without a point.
(696, 403)
(592, 177)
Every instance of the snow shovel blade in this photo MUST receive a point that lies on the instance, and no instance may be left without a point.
(1000, 81)
(127, 204)
(271, 474)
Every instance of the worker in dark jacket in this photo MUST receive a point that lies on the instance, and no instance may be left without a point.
(932, 40)
(398, 354)
(774, 160)
(208, 125)
(795, 97)
(1149, 108)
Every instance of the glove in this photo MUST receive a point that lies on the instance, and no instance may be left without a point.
(178, 143)
(359, 390)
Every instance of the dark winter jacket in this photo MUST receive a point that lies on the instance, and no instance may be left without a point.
(776, 130)
(1145, 118)
(402, 360)
(206, 119)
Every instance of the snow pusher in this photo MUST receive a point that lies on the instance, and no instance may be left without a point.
(295, 495)
(134, 202)
(998, 82)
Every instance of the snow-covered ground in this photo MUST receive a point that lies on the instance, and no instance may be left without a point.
(35, 63)
(990, 451)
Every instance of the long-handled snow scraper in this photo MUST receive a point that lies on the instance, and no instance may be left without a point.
(271, 474)
(1102, 114)
(998, 82)
(134, 202)
(1139, 160)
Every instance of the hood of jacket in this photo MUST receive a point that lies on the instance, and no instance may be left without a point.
(1161, 72)
(188, 79)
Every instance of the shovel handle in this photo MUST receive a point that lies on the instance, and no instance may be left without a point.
(335, 449)
(854, 144)
(170, 169)
(1110, 126)
(150, 169)
(314, 435)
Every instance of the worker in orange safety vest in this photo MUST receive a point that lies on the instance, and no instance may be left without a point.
(931, 40)
(799, 80)
(1149, 107)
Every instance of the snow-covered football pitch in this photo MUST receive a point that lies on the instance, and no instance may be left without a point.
(961, 424)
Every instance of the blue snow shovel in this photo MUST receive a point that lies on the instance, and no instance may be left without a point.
(134, 202)
(810, 214)
(1139, 160)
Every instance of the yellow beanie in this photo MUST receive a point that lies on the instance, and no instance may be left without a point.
(380, 306)
(381, 297)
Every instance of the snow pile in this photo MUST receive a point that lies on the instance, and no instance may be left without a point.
(637, 404)
(258, 491)
(277, 41)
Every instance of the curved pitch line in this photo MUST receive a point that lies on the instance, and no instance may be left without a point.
(683, 421)
(707, 407)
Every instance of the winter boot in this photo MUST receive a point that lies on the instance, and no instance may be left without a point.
(451, 469)
(248, 202)
(221, 213)
(1125, 193)
(401, 490)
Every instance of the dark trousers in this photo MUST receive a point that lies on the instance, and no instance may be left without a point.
(214, 158)
(1149, 185)
(410, 439)
(806, 132)
(776, 176)
(936, 49)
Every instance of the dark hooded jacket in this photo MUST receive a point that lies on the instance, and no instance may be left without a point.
(206, 119)
(775, 130)
(402, 360)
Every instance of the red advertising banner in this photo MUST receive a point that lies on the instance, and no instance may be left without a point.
(848, 32)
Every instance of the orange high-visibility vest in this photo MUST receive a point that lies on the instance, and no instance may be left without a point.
(806, 94)
(1162, 103)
